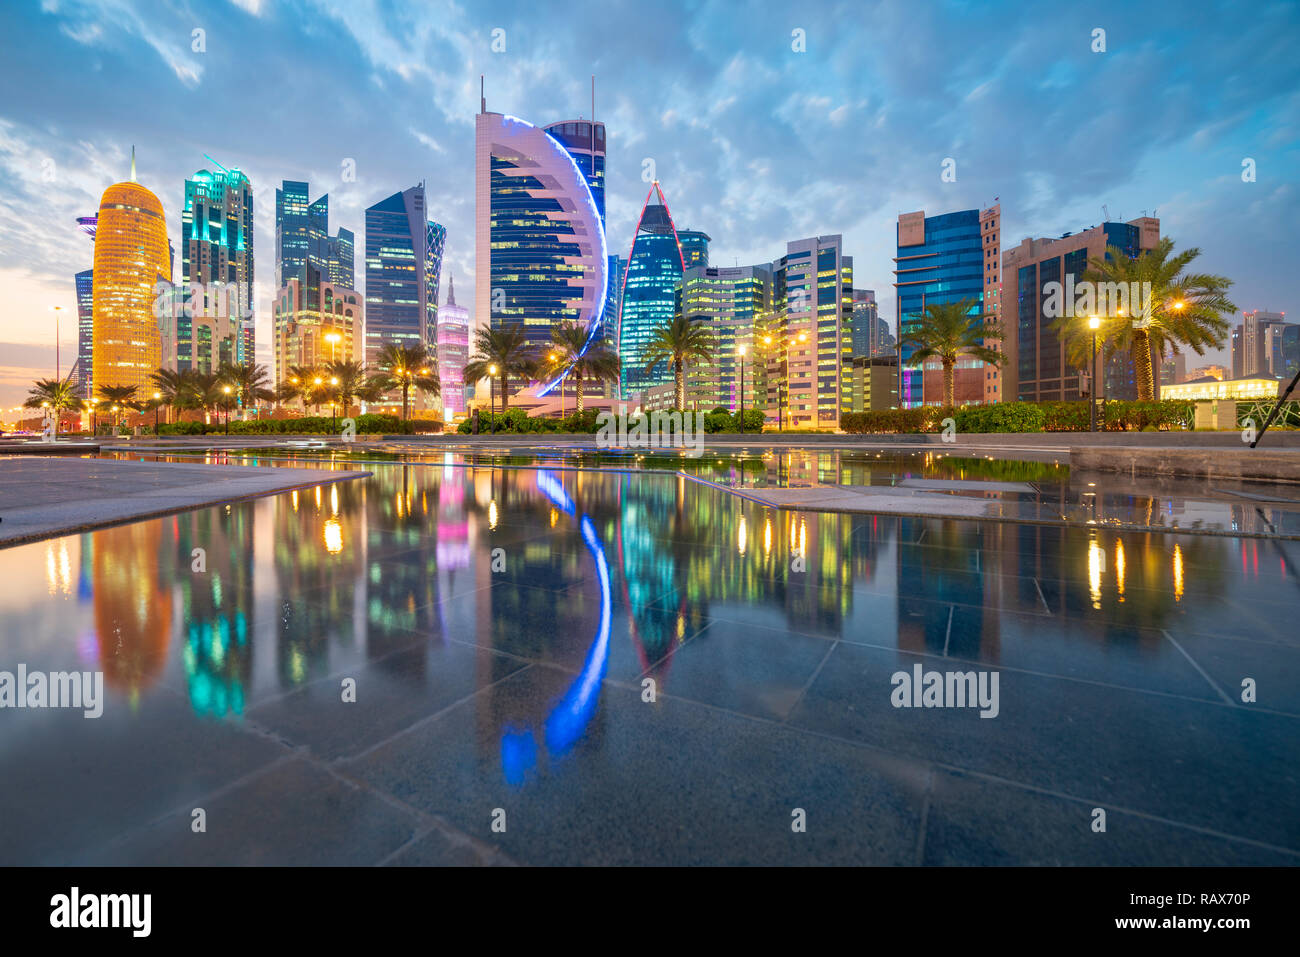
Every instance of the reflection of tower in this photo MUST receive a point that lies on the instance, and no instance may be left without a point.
(945, 598)
(132, 603)
(217, 606)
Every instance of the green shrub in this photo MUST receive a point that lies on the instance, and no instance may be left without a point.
(1000, 417)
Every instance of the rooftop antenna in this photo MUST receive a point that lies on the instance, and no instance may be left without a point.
(482, 95)
(133, 179)
(1105, 213)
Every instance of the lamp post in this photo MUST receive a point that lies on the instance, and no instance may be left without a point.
(226, 390)
(492, 396)
(1094, 323)
(93, 427)
(742, 350)
(553, 357)
(157, 404)
(334, 381)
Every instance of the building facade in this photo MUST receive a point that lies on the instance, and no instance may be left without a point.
(131, 259)
(317, 322)
(695, 247)
(945, 259)
(403, 263)
(539, 236)
(217, 261)
(733, 305)
(1258, 349)
(453, 352)
(1035, 352)
(806, 344)
(650, 290)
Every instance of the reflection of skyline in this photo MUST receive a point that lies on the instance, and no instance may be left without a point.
(132, 604)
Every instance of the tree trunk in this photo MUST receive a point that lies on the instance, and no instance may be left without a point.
(1142, 371)
(577, 391)
(681, 388)
(947, 382)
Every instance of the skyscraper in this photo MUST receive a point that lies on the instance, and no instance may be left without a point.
(217, 267)
(403, 262)
(1036, 368)
(1257, 343)
(85, 285)
(806, 362)
(946, 259)
(871, 335)
(316, 321)
(130, 260)
(654, 270)
(302, 236)
(539, 232)
(453, 351)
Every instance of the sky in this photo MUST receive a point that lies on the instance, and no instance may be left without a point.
(765, 122)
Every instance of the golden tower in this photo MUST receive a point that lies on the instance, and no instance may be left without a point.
(131, 258)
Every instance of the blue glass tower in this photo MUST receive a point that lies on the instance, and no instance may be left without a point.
(654, 272)
(403, 263)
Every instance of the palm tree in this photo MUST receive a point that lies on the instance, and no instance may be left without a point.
(251, 382)
(946, 331)
(404, 366)
(505, 347)
(352, 380)
(208, 391)
(1185, 309)
(117, 398)
(568, 341)
(174, 386)
(307, 384)
(54, 394)
(679, 342)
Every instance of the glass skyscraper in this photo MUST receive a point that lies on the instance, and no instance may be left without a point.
(302, 236)
(453, 351)
(940, 260)
(732, 304)
(403, 262)
(650, 289)
(217, 254)
(540, 234)
(85, 332)
(695, 247)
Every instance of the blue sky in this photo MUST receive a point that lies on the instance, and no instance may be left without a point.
(753, 142)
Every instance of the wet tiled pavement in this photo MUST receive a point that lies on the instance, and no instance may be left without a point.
(586, 667)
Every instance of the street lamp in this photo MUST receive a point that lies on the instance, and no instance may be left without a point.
(93, 425)
(554, 358)
(226, 390)
(492, 395)
(1094, 323)
(334, 381)
(157, 404)
(742, 350)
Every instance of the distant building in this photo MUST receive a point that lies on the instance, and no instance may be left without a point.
(871, 335)
(1173, 369)
(946, 259)
(1035, 353)
(131, 259)
(1210, 371)
(730, 303)
(1282, 344)
(695, 247)
(453, 351)
(1256, 349)
(875, 383)
(85, 281)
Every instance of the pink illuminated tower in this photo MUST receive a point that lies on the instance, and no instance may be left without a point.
(453, 351)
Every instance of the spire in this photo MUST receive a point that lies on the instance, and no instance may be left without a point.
(133, 179)
(451, 291)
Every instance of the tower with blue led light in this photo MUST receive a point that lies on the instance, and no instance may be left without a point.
(218, 320)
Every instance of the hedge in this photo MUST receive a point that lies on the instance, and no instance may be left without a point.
(517, 421)
(369, 424)
(1119, 415)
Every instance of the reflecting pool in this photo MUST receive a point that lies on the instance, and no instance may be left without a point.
(632, 667)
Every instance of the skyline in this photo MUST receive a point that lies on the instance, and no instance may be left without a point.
(754, 142)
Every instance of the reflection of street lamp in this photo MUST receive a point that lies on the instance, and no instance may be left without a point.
(1094, 323)
(743, 349)
(492, 395)
(226, 390)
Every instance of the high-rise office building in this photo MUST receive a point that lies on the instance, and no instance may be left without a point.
(695, 247)
(946, 259)
(85, 286)
(539, 232)
(650, 290)
(806, 361)
(453, 351)
(1282, 343)
(217, 267)
(130, 260)
(302, 236)
(1258, 345)
(731, 304)
(403, 262)
(1035, 353)
(871, 335)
